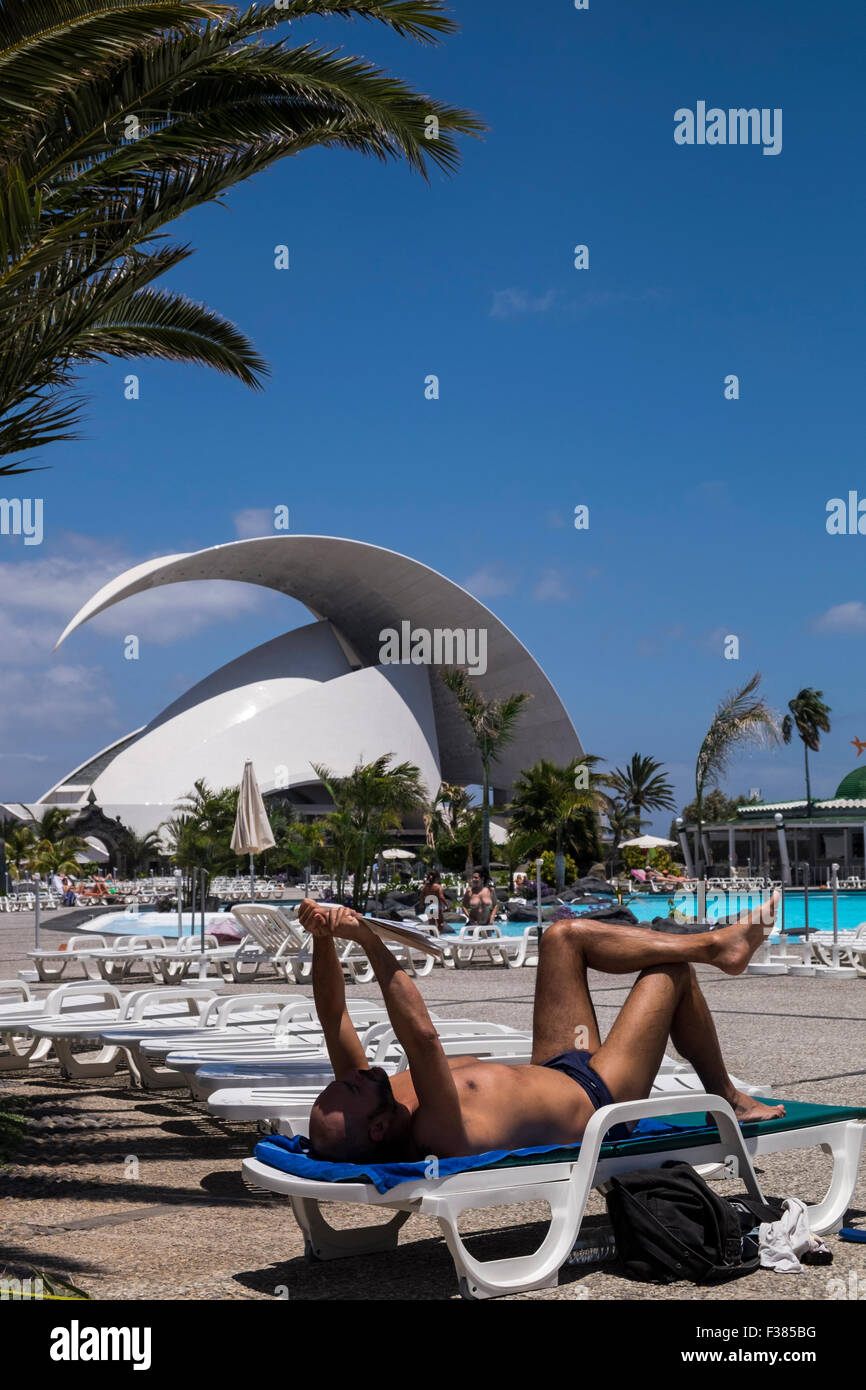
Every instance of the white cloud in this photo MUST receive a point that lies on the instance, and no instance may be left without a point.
(40, 595)
(551, 587)
(253, 522)
(490, 583)
(843, 617)
(508, 304)
(56, 698)
(179, 610)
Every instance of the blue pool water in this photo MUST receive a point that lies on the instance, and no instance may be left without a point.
(645, 906)
(146, 923)
(851, 907)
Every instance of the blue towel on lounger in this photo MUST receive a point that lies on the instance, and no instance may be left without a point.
(293, 1155)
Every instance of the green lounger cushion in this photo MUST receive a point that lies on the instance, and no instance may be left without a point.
(692, 1130)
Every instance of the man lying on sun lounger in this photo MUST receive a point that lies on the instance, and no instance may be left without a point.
(459, 1105)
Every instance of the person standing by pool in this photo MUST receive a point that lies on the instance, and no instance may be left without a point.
(479, 901)
(432, 888)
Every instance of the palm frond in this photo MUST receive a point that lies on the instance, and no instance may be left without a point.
(741, 717)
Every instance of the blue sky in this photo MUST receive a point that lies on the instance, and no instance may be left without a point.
(557, 387)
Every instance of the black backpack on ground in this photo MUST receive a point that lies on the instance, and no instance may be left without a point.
(670, 1225)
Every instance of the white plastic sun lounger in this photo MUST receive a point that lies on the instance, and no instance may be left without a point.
(51, 965)
(225, 1022)
(78, 1000)
(476, 941)
(564, 1185)
(174, 1010)
(285, 1056)
(275, 939)
(62, 1034)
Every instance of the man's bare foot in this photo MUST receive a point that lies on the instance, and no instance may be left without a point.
(747, 1108)
(737, 943)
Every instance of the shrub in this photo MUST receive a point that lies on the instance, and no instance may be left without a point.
(548, 867)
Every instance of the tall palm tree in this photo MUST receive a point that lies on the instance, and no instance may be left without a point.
(373, 800)
(492, 723)
(118, 116)
(741, 718)
(810, 717)
(552, 800)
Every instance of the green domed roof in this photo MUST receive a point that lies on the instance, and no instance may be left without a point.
(854, 785)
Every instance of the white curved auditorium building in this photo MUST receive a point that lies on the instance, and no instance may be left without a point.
(321, 694)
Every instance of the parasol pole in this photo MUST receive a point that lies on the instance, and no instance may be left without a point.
(178, 878)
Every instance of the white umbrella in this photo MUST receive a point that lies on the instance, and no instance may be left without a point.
(398, 854)
(252, 832)
(645, 842)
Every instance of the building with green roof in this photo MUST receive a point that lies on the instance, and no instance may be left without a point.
(830, 831)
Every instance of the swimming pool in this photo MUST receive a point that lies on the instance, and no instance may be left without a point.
(851, 907)
(147, 923)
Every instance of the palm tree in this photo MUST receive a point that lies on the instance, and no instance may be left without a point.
(640, 787)
(137, 851)
(741, 718)
(20, 845)
(444, 815)
(59, 856)
(53, 825)
(558, 804)
(492, 723)
(371, 802)
(520, 845)
(199, 834)
(297, 842)
(624, 821)
(118, 116)
(810, 717)
(342, 841)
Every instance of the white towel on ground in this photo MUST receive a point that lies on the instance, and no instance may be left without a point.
(782, 1242)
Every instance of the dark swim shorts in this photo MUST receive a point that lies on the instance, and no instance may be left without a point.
(576, 1065)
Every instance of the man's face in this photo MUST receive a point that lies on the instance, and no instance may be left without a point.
(347, 1109)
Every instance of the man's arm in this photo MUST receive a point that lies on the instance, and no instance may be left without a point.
(431, 1074)
(329, 993)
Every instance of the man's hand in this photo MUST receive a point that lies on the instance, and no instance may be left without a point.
(342, 922)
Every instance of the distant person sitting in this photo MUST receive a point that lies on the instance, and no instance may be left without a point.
(431, 889)
(479, 901)
(68, 891)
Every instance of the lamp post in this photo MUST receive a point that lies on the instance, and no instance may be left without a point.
(784, 861)
(36, 880)
(836, 970)
(178, 878)
(538, 864)
(684, 846)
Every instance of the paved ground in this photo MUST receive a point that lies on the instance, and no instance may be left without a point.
(136, 1195)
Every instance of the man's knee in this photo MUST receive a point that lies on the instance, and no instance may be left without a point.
(566, 930)
(677, 970)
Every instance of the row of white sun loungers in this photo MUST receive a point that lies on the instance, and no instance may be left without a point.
(783, 955)
(274, 942)
(261, 1059)
(190, 1028)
